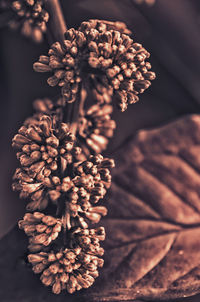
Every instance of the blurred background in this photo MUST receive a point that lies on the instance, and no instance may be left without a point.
(168, 29)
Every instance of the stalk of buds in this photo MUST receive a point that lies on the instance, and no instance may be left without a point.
(62, 173)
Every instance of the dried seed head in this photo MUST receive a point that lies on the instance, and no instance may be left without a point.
(95, 128)
(72, 268)
(29, 16)
(38, 192)
(43, 146)
(91, 181)
(81, 185)
(101, 53)
(88, 240)
(46, 152)
(41, 229)
(95, 125)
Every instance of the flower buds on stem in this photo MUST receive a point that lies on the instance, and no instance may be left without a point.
(63, 175)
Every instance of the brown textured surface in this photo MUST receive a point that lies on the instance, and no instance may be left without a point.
(153, 225)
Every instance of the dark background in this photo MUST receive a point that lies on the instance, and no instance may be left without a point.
(170, 30)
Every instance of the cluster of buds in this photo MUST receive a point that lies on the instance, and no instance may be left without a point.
(72, 268)
(100, 56)
(39, 193)
(41, 229)
(70, 263)
(81, 191)
(95, 128)
(92, 180)
(29, 15)
(45, 146)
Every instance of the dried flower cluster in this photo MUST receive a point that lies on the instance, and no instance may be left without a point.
(62, 174)
(71, 268)
(88, 187)
(74, 187)
(41, 229)
(102, 57)
(44, 145)
(95, 128)
(51, 170)
(28, 15)
(84, 185)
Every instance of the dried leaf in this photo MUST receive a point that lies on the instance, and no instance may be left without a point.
(153, 225)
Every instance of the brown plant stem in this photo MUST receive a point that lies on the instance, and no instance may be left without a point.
(72, 111)
(56, 29)
(56, 25)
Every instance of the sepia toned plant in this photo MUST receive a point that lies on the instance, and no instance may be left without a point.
(76, 194)
(103, 59)
(62, 174)
(43, 145)
(90, 231)
(71, 268)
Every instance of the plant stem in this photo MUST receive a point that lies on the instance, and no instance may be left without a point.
(56, 29)
(56, 25)
(72, 111)
(78, 110)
